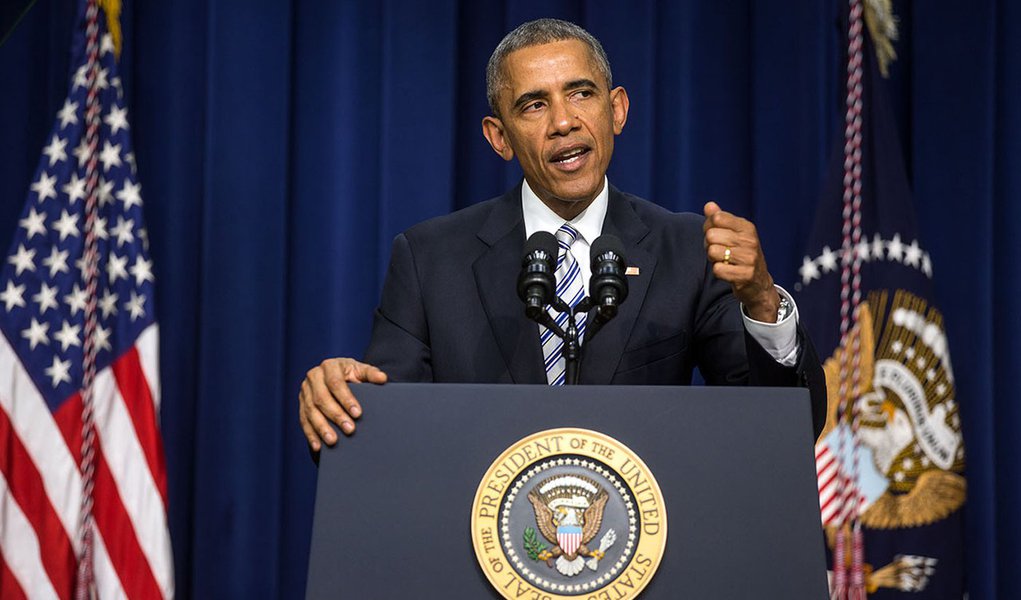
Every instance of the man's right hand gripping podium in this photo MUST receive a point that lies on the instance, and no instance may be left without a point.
(616, 289)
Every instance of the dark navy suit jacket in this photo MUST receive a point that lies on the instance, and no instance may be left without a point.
(450, 312)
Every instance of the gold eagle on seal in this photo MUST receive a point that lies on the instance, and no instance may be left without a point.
(569, 514)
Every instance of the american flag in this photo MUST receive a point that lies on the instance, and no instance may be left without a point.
(45, 309)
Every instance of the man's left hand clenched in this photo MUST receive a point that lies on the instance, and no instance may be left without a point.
(732, 245)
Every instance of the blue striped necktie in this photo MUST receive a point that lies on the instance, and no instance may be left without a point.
(571, 289)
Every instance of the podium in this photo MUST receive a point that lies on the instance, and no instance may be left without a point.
(735, 468)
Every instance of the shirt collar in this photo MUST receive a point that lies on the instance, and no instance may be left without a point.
(539, 217)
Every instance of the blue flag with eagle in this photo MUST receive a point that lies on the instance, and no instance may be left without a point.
(891, 457)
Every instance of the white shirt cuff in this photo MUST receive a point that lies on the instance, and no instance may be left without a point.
(779, 339)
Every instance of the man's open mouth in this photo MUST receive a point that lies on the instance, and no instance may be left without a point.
(569, 156)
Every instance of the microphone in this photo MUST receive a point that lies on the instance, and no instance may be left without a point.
(537, 282)
(608, 286)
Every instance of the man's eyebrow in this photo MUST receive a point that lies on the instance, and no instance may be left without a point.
(529, 97)
(580, 83)
(574, 84)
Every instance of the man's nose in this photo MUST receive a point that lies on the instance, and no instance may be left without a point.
(562, 118)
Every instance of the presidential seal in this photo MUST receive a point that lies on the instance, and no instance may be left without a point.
(569, 513)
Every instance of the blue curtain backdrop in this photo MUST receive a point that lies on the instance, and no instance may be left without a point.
(282, 144)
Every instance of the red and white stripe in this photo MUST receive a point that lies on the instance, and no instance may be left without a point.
(569, 542)
(836, 489)
(40, 483)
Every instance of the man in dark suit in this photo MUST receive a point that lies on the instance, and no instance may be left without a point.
(700, 292)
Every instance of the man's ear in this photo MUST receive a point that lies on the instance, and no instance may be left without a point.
(492, 129)
(619, 103)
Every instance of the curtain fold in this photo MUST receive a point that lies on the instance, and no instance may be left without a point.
(282, 145)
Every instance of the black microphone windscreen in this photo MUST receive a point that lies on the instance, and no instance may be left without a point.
(605, 242)
(542, 240)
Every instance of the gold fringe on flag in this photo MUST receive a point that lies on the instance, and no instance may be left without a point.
(882, 24)
(112, 8)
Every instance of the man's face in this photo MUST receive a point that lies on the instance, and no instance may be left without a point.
(558, 117)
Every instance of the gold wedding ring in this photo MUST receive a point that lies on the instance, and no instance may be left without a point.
(726, 256)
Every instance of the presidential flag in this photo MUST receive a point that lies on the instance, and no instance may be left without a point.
(83, 486)
(890, 460)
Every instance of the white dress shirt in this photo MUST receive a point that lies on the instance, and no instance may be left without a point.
(779, 339)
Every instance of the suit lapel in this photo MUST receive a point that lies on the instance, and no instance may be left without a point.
(496, 272)
(601, 356)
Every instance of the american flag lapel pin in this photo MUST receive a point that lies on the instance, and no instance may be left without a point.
(632, 271)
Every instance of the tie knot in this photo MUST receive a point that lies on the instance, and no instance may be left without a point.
(567, 234)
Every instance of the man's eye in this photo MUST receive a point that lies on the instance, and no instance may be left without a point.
(583, 94)
(534, 106)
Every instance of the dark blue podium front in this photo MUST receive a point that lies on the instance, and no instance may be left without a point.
(736, 467)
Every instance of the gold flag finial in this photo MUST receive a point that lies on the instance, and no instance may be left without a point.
(112, 8)
(882, 26)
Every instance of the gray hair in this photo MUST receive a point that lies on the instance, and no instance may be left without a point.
(537, 33)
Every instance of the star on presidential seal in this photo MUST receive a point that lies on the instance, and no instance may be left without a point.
(568, 513)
